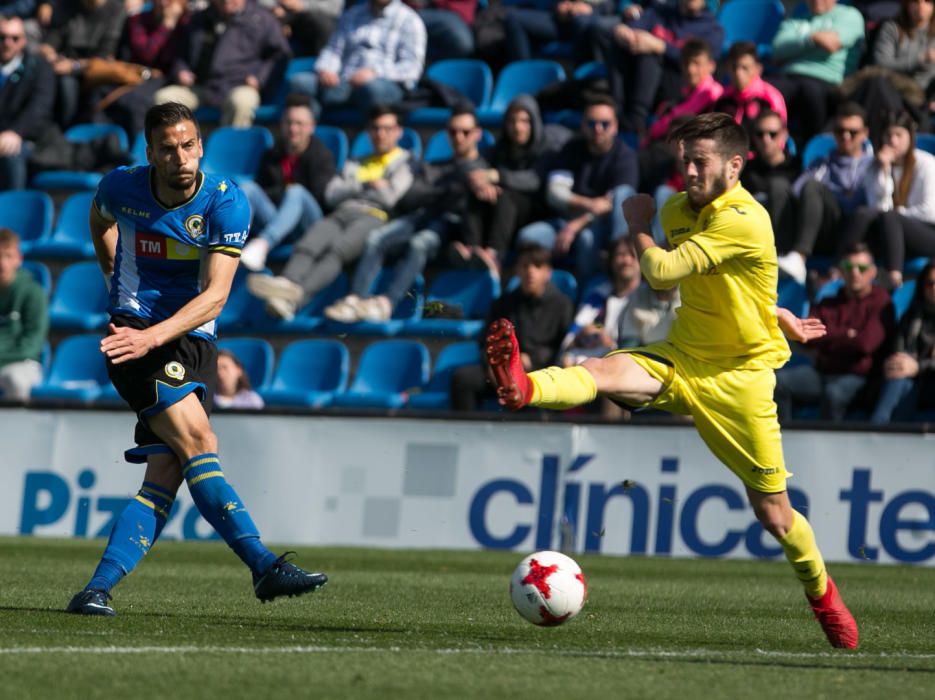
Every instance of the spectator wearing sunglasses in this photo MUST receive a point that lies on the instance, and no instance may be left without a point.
(829, 190)
(846, 363)
(899, 187)
(27, 94)
(586, 185)
(770, 173)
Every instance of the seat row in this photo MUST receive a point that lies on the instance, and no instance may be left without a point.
(309, 373)
(454, 306)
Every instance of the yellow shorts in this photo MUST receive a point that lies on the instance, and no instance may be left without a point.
(734, 411)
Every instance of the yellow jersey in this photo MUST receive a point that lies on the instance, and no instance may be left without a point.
(724, 260)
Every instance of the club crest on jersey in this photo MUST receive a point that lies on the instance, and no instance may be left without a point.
(195, 225)
(175, 371)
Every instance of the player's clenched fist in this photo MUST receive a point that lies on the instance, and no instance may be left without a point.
(639, 209)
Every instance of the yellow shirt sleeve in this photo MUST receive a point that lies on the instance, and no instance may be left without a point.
(664, 269)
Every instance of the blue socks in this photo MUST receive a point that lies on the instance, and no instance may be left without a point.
(133, 535)
(219, 504)
(141, 522)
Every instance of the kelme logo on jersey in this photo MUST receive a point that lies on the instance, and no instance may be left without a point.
(195, 225)
(175, 371)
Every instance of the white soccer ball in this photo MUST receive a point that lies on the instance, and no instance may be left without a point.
(548, 588)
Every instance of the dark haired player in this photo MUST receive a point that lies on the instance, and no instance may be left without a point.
(168, 239)
(718, 362)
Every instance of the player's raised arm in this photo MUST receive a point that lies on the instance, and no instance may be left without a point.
(663, 269)
(125, 343)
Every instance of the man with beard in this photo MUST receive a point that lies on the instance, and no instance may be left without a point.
(168, 238)
(718, 363)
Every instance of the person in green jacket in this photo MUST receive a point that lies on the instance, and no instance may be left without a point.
(814, 54)
(24, 322)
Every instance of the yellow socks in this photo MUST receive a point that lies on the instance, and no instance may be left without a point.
(802, 552)
(560, 388)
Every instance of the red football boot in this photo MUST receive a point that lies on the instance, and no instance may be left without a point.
(513, 386)
(835, 619)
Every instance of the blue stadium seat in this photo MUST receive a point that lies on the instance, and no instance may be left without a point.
(439, 150)
(387, 370)
(819, 146)
(792, 295)
(79, 301)
(138, 149)
(256, 355)
(236, 152)
(309, 374)
(40, 272)
(78, 371)
(242, 308)
(913, 266)
(902, 297)
(829, 289)
(437, 393)
(926, 142)
(71, 237)
(563, 279)
(469, 76)
(751, 20)
(336, 141)
(516, 78)
(271, 110)
(406, 311)
(410, 140)
(469, 290)
(29, 213)
(76, 179)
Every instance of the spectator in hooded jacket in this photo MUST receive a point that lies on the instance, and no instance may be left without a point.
(504, 195)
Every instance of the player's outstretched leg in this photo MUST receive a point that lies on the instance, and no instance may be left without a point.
(136, 530)
(834, 617)
(554, 387)
(513, 386)
(822, 594)
(220, 505)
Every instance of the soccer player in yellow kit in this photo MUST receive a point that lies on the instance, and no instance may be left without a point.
(718, 362)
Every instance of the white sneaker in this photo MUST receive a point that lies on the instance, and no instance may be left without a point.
(793, 265)
(376, 309)
(281, 308)
(253, 255)
(346, 310)
(267, 287)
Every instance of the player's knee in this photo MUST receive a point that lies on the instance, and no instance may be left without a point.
(773, 520)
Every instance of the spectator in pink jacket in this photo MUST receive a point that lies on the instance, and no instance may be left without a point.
(748, 94)
(700, 90)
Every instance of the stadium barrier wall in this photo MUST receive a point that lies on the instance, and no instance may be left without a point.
(401, 482)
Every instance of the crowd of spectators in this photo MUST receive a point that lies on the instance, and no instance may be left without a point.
(548, 191)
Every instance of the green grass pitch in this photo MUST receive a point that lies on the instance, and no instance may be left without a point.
(439, 624)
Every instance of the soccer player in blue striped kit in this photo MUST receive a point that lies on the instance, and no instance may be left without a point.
(168, 239)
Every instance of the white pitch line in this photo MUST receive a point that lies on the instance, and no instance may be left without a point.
(608, 654)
